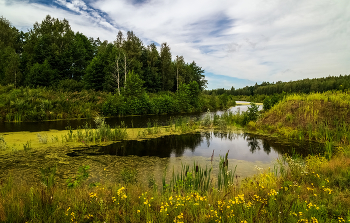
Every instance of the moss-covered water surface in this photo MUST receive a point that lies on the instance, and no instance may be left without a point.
(148, 158)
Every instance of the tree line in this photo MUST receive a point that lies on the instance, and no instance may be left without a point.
(306, 86)
(50, 54)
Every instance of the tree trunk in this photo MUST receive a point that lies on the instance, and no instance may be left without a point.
(177, 73)
(177, 78)
(125, 70)
(118, 73)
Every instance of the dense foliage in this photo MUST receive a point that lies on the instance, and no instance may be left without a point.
(28, 104)
(300, 86)
(52, 55)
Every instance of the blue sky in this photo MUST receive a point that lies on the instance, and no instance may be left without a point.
(236, 42)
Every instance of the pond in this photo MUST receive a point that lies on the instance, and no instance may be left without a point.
(129, 121)
(150, 158)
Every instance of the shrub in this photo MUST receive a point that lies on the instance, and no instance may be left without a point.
(70, 85)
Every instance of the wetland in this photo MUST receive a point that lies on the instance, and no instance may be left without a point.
(148, 154)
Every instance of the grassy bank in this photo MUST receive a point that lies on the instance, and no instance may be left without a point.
(37, 104)
(322, 117)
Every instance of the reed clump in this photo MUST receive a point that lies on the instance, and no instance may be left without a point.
(102, 133)
(3, 144)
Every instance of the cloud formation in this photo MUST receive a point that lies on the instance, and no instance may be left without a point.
(256, 40)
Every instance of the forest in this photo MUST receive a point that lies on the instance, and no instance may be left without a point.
(305, 86)
(42, 68)
(51, 54)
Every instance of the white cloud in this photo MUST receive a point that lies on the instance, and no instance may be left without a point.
(258, 40)
(84, 21)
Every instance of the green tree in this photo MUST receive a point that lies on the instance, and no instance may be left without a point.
(10, 48)
(194, 92)
(183, 97)
(166, 68)
(82, 54)
(150, 66)
(132, 47)
(12, 72)
(41, 75)
(9, 35)
(134, 85)
(53, 41)
(119, 63)
(195, 73)
(180, 63)
(99, 72)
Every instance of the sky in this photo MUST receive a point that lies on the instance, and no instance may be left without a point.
(236, 42)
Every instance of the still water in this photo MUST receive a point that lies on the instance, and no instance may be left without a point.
(152, 157)
(129, 121)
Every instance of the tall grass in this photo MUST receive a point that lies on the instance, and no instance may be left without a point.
(102, 133)
(3, 144)
(189, 179)
(225, 176)
(312, 190)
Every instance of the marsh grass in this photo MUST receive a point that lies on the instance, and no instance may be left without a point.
(129, 176)
(225, 176)
(3, 144)
(102, 133)
(82, 175)
(27, 146)
(42, 138)
(319, 194)
(17, 117)
(189, 179)
(207, 120)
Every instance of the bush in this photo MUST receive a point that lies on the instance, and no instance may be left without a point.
(252, 114)
(139, 105)
(165, 103)
(70, 85)
(270, 101)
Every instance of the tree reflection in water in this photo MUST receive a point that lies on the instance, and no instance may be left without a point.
(199, 144)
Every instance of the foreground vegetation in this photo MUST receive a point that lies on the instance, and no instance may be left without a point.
(310, 190)
(298, 189)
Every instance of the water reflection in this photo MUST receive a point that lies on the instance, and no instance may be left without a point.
(130, 121)
(152, 157)
(241, 146)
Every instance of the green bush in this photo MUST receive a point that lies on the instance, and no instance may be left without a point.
(270, 101)
(252, 113)
(70, 85)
